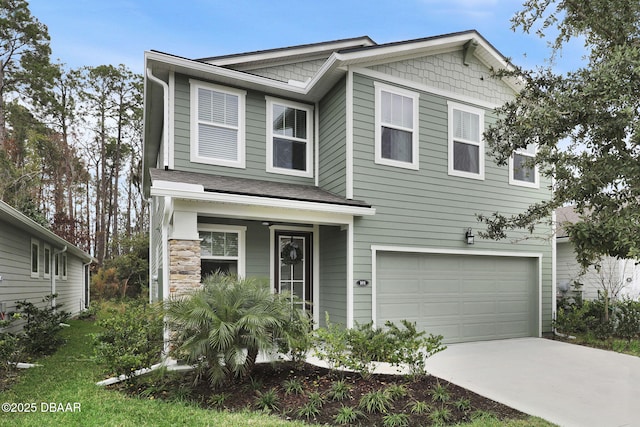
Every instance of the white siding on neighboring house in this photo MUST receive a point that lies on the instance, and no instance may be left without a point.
(618, 276)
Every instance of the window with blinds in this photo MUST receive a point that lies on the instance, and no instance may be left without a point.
(466, 147)
(217, 125)
(522, 170)
(396, 127)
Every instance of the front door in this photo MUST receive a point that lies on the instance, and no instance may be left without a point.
(293, 269)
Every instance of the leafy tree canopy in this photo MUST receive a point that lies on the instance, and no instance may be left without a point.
(585, 123)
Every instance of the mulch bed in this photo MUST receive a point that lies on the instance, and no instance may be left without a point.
(243, 395)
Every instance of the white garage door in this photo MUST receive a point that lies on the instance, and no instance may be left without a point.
(462, 297)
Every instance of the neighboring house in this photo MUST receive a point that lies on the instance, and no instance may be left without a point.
(34, 263)
(365, 160)
(620, 277)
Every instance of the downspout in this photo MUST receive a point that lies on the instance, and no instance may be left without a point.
(87, 284)
(165, 114)
(53, 275)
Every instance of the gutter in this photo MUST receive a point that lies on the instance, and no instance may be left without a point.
(165, 114)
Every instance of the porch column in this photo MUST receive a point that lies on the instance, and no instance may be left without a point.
(184, 266)
(184, 254)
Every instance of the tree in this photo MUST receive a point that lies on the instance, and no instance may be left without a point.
(585, 123)
(24, 54)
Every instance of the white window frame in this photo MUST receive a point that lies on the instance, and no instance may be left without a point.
(47, 261)
(195, 156)
(415, 135)
(480, 144)
(241, 231)
(308, 172)
(36, 243)
(520, 183)
(56, 264)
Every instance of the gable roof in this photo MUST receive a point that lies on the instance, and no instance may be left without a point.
(565, 215)
(18, 219)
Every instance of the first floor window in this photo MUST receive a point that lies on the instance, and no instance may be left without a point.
(396, 127)
(221, 250)
(47, 261)
(289, 138)
(35, 258)
(466, 147)
(521, 171)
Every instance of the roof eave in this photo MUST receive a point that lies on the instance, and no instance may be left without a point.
(197, 193)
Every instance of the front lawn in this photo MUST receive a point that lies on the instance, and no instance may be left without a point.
(68, 377)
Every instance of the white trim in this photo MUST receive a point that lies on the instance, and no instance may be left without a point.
(309, 141)
(34, 274)
(316, 274)
(241, 231)
(349, 135)
(172, 113)
(350, 284)
(517, 182)
(47, 262)
(415, 136)
(64, 266)
(480, 144)
(439, 251)
(316, 145)
(241, 94)
(190, 194)
(377, 75)
(554, 265)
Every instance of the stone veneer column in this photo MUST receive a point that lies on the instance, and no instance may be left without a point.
(184, 266)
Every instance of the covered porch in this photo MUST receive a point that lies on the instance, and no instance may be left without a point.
(298, 238)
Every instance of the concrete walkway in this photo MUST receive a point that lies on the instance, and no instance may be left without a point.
(566, 384)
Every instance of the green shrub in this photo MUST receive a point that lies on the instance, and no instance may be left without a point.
(41, 332)
(375, 401)
(10, 346)
(358, 348)
(395, 420)
(267, 401)
(347, 415)
(308, 410)
(221, 327)
(131, 340)
(292, 386)
(339, 391)
(627, 318)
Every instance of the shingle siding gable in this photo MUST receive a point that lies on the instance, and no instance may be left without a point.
(446, 71)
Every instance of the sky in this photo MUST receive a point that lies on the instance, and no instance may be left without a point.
(100, 32)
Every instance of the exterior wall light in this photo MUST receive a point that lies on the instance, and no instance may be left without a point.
(469, 236)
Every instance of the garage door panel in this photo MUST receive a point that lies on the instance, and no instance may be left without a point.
(464, 298)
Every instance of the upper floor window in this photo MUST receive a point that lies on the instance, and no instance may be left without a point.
(396, 135)
(466, 146)
(35, 258)
(289, 138)
(217, 125)
(521, 171)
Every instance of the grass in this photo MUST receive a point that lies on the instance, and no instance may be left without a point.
(631, 347)
(69, 376)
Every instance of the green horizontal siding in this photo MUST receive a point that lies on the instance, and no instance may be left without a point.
(427, 207)
(255, 139)
(332, 149)
(333, 275)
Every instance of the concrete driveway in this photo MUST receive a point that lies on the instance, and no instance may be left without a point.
(566, 384)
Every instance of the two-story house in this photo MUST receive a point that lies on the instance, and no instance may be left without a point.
(349, 173)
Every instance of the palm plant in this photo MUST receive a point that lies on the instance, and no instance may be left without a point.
(223, 326)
